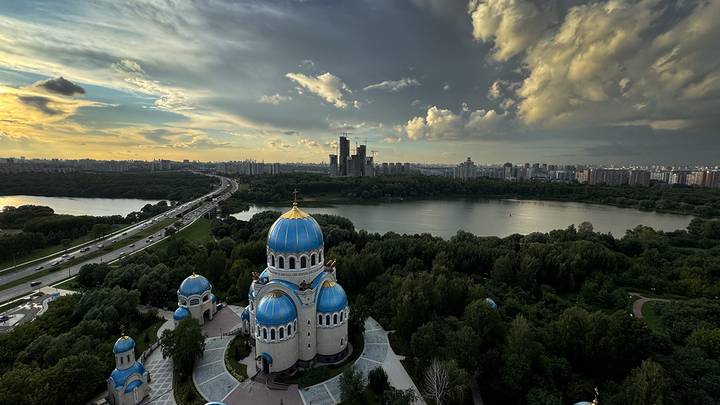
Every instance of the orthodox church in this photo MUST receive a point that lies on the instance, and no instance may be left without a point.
(195, 299)
(128, 383)
(297, 312)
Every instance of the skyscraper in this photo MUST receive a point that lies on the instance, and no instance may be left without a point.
(344, 146)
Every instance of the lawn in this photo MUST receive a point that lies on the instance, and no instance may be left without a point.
(236, 351)
(197, 233)
(652, 317)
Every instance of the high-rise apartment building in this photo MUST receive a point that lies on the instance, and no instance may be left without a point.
(344, 151)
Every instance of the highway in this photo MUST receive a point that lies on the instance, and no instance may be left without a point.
(227, 188)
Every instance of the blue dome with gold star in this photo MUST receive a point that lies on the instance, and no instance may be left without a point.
(195, 284)
(332, 297)
(295, 232)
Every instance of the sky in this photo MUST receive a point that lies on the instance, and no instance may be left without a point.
(556, 81)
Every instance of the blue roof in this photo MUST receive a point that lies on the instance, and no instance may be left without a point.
(332, 297)
(123, 344)
(491, 303)
(267, 357)
(295, 232)
(275, 308)
(120, 376)
(134, 384)
(181, 313)
(194, 285)
(245, 314)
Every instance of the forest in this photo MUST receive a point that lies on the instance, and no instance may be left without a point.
(35, 227)
(174, 186)
(562, 324)
(660, 197)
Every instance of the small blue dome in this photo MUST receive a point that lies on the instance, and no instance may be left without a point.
(245, 316)
(275, 308)
(181, 313)
(194, 285)
(120, 376)
(123, 344)
(491, 303)
(294, 232)
(134, 384)
(213, 298)
(332, 297)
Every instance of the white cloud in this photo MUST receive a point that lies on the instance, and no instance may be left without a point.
(310, 143)
(443, 124)
(394, 85)
(599, 67)
(168, 98)
(512, 25)
(328, 86)
(274, 99)
(446, 86)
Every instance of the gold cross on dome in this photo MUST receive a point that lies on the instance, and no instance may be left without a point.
(295, 193)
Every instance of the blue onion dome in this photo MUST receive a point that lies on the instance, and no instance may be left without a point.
(120, 376)
(181, 313)
(491, 303)
(332, 297)
(123, 344)
(195, 284)
(245, 316)
(294, 232)
(275, 308)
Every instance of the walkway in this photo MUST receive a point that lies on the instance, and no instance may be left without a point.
(376, 353)
(161, 370)
(212, 379)
(638, 304)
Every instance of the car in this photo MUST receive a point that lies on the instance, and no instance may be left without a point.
(85, 249)
(38, 268)
(124, 233)
(56, 262)
(100, 246)
(35, 283)
(151, 237)
(65, 256)
(121, 254)
(132, 245)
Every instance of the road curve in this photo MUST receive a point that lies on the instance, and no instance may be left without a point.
(640, 301)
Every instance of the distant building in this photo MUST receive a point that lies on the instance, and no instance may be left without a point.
(333, 168)
(344, 146)
(465, 170)
(639, 178)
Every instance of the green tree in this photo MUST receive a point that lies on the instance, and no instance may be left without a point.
(185, 345)
(378, 380)
(352, 386)
(646, 385)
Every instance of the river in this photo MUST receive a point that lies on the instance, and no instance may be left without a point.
(79, 206)
(489, 217)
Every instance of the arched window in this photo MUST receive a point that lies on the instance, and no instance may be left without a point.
(272, 334)
(128, 358)
(281, 262)
(303, 262)
(289, 330)
(272, 260)
(205, 298)
(327, 319)
(342, 342)
(319, 319)
(194, 301)
(308, 322)
(321, 256)
(341, 316)
(312, 259)
(308, 334)
(282, 333)
(334, 319)
(121, 359)
(252, 307)
(292, 263)
(264, 333)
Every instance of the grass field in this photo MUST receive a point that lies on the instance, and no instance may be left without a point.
(198, 233)
(652, 317)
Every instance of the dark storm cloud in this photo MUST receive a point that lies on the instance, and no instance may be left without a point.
(41, 103)
(61, 86)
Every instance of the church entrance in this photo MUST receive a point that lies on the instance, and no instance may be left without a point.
(265, 366)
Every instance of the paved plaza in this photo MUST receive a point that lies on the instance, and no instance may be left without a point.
(161, 375)
(211, 377)
(222, 323)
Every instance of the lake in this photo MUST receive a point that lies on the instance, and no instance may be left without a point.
(489, 217)
(79, 206)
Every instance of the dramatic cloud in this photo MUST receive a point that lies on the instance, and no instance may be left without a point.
(274, 99)
(328, 86)
(602, 66)
(394, 85)
(43, 104)
(443, 124)
(511, 25)
(61, 86)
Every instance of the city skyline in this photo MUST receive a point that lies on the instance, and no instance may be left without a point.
(279, 80)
